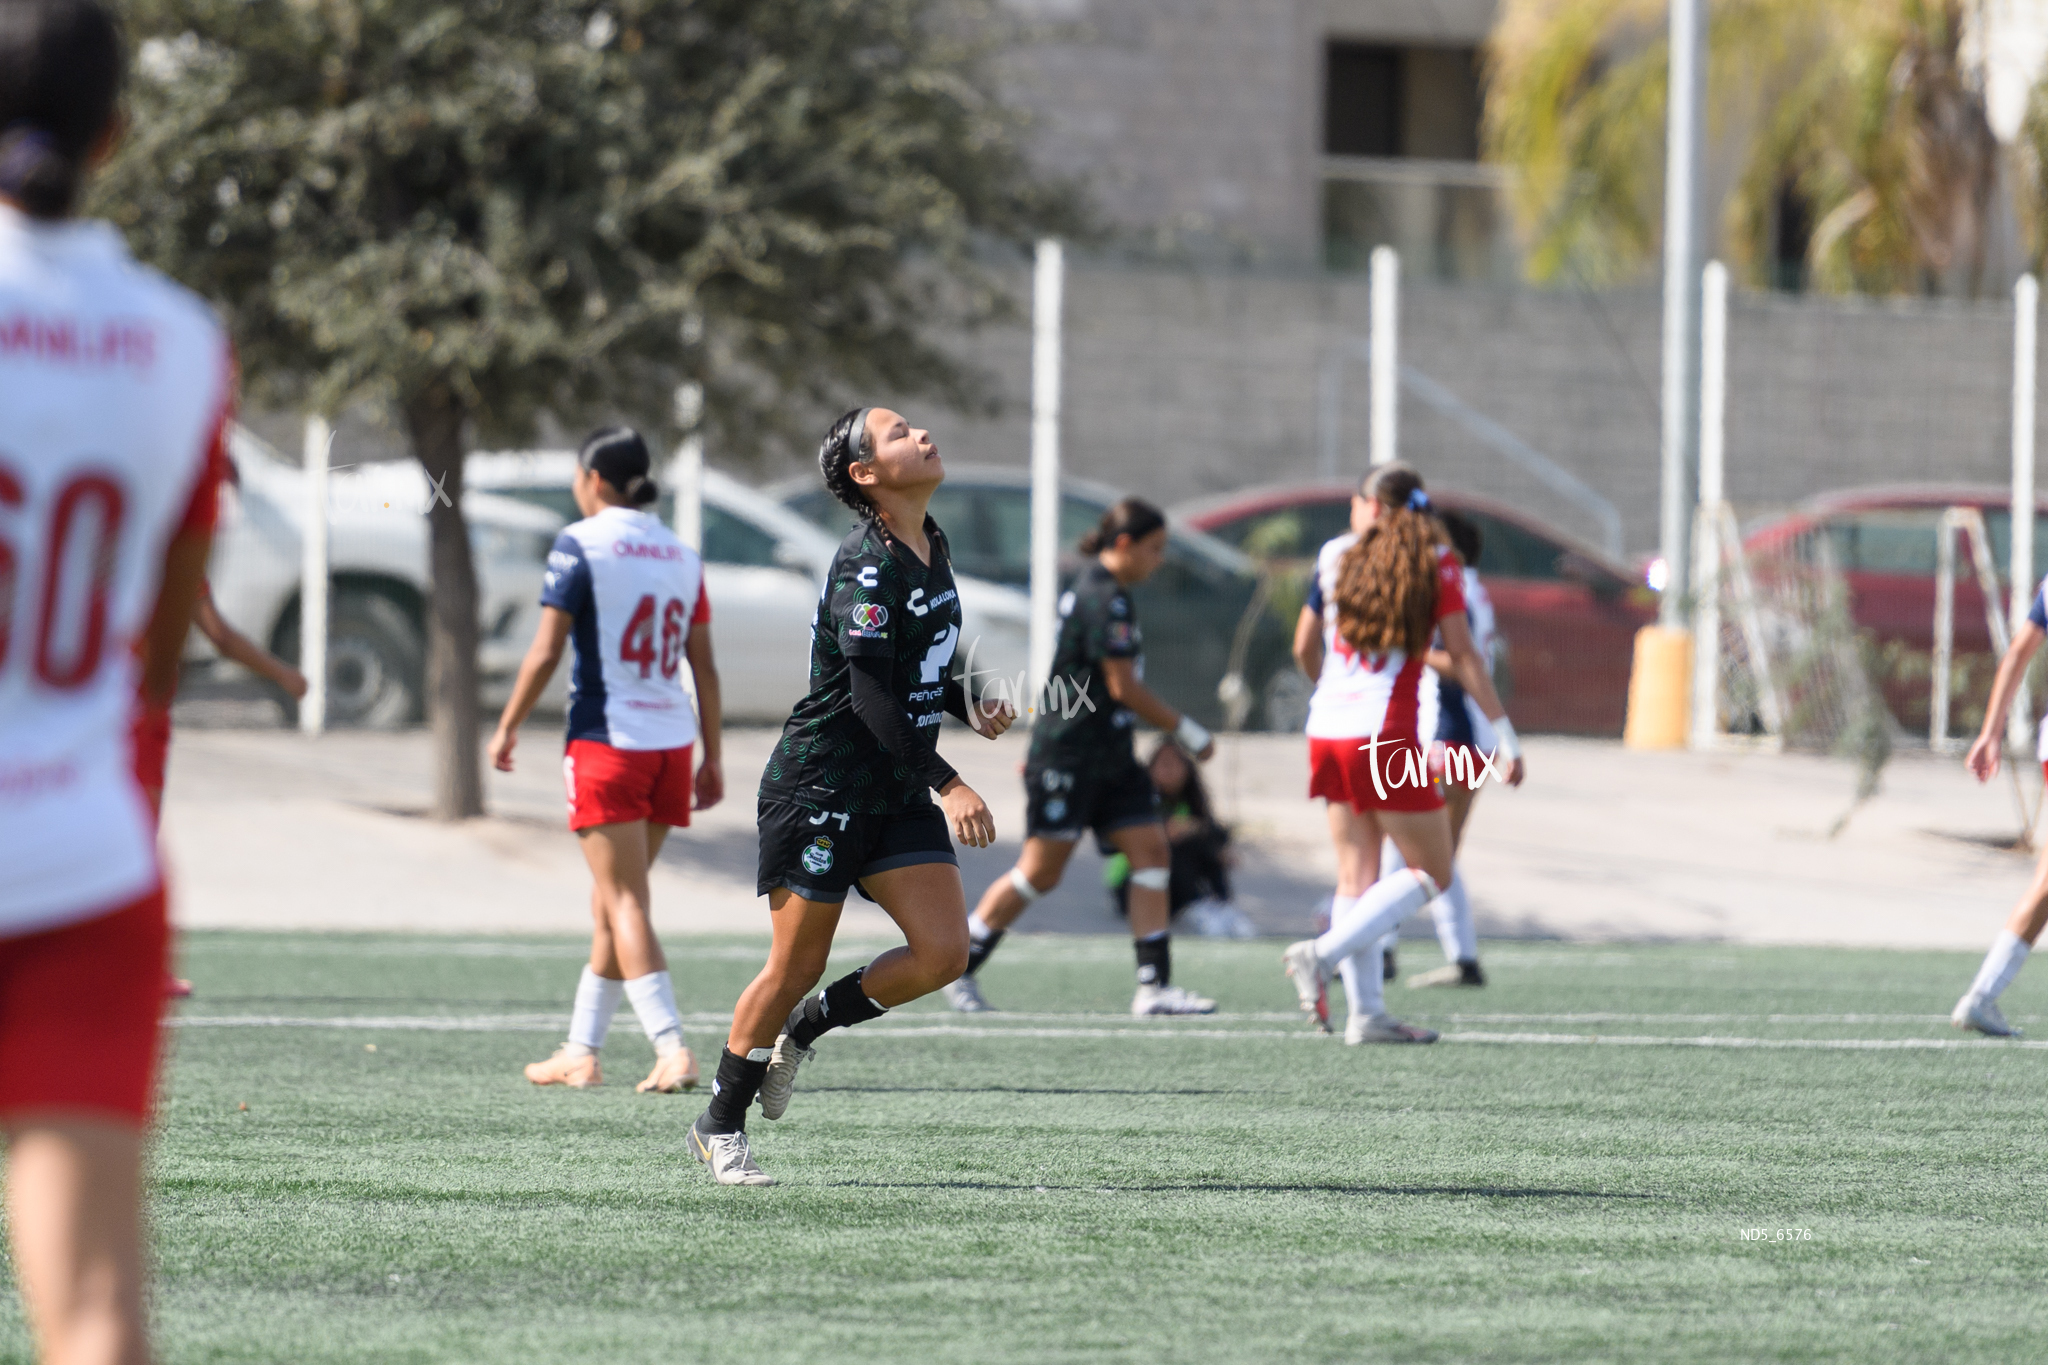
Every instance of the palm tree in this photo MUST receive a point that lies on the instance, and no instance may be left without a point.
(1859, 116)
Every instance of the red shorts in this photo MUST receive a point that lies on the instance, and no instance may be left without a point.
(80, 1010)
(1342, 770)
(610, 786)
(150, 736)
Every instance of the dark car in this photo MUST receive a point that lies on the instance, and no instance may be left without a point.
(1193, 608)
(1884, 542)
(1566, 614)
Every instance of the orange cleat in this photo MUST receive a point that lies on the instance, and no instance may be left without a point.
(677, 1071)
(579, 1073)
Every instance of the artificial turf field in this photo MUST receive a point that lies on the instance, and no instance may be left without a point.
(1061, 1183)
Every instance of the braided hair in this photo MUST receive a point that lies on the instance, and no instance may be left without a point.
(1386, 582)
(846, 442)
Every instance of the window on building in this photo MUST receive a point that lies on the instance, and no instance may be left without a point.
(1386, 101)
(1385, 105)
(1791, 235)
(1362, 100)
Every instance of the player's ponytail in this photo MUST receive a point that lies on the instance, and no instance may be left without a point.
(619, 456)
(1133, 517)
(61, 63)
(848, 441)
(1386, 583)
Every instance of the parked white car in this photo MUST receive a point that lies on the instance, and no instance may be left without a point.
(377, 551)
(764, 567)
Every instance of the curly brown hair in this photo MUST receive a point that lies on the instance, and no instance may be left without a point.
(1387, 581)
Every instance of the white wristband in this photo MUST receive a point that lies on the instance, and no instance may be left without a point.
(1508, 744)
(1192, 735)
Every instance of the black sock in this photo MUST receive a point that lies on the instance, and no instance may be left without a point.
(733, 1089)
(840, 1004)
(1469, 973)
(1155, 959)
(979, 950)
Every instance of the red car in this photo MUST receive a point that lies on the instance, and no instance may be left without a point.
(1566, 613)
(1883, 540)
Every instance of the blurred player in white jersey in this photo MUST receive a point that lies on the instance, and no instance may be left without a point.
(1380, 593)
(1463, 733)
(115, 389)
(1978, 1009)
(631, 597)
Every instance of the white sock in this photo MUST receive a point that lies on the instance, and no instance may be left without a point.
(1364, 986)
(654, 1000)
(1380, 911)
(1365, 999)
(1340, 911)
(2001, 965)
(1454, 928)
(977, 931)
(597, 1000)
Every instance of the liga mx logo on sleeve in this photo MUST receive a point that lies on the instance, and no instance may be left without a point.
(870, 616)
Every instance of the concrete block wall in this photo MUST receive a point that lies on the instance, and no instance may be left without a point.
(1180, 384)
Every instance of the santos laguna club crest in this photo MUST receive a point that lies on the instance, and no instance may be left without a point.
(818, 856)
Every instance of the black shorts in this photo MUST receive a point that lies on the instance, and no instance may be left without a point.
(820, 854)
(1063, 802)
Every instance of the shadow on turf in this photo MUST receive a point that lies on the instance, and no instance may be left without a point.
(1484, 1191)
(992, 1090)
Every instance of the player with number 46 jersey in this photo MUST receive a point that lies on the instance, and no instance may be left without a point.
(630, 597)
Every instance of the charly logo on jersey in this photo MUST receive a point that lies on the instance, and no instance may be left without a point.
(870, 616)
(818, 856)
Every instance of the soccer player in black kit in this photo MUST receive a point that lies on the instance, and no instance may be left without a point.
(1082, 775)
(846, 797)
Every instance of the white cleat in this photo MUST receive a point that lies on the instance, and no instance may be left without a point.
(780, 1082)
(1151, 1000)
(1983, 1016)
(1384, 1028)
(1311, 979)
(965, 996)
(727, 1154)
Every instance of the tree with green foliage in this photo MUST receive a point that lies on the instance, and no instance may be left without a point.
(1862, 112)
(470, 214)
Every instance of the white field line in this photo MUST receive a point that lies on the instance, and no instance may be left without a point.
(1002, 1020)
(1150, 1030)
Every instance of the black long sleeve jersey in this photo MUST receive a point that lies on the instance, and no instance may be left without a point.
(882, 643)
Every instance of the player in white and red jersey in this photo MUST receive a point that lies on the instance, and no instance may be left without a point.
(1379, 594)
(115, 385)
(631, 596)
(1978, 1008)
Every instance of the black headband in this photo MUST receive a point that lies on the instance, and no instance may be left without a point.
(858, 429)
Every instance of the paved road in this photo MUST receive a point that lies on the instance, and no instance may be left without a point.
(268, 829)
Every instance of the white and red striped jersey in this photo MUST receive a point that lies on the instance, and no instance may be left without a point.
(116, 387)
(1391, 694)
(634, 591)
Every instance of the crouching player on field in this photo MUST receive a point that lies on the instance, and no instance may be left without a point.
(108, 472)
(631, 596)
